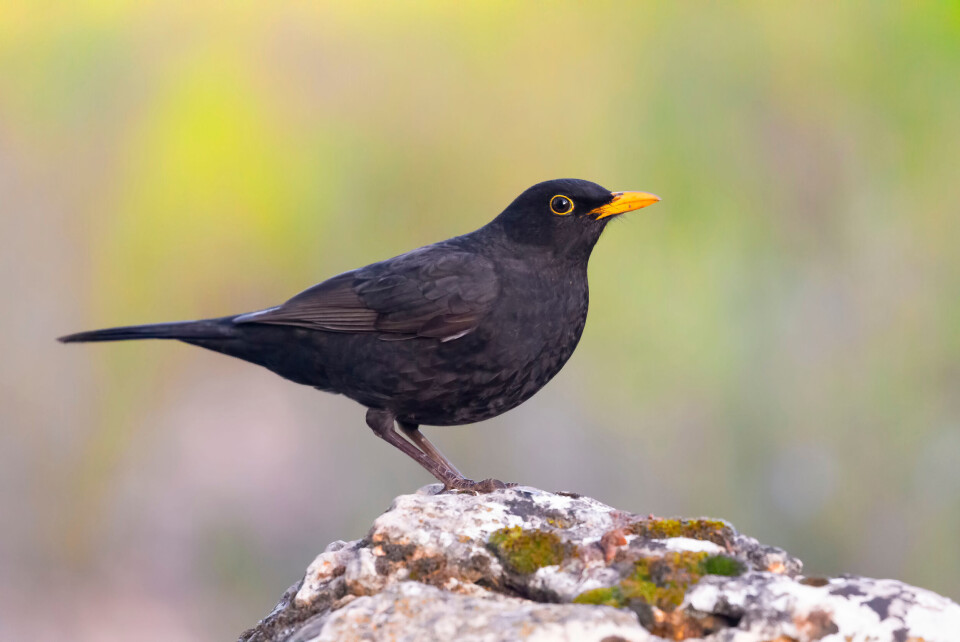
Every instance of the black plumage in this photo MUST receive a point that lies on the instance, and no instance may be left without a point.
(451, 333)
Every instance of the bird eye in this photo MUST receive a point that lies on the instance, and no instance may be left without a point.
(561, 205)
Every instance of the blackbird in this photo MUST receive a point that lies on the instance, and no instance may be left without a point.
(448, 334)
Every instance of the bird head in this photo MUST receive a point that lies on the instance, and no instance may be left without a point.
(566, 216)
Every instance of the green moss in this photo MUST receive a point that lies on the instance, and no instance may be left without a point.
(656, 581)
(526, 551)
(722, 565)
(662, 581)
(711, 530)
(612, 596)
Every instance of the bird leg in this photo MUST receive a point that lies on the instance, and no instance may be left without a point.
(412, 431)
(382, 422)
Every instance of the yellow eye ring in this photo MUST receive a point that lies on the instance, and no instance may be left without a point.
(561, 205)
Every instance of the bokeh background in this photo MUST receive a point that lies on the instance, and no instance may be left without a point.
(777, 343)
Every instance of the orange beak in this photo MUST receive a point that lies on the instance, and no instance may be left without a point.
(625, 202)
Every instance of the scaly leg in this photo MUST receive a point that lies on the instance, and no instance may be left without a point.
(382, 423)
(412, 431)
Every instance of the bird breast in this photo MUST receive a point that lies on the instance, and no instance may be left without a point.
(522, 344)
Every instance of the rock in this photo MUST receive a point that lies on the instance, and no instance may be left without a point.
(522, 563)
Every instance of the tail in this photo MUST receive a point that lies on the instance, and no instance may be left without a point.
(277, 348)
(223, 328)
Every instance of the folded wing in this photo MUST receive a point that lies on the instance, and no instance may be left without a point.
(434, 292)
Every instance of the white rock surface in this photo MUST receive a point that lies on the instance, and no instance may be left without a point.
(509, 565)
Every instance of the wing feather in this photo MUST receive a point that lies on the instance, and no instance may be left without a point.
(435, 292)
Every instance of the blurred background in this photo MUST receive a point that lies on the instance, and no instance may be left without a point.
(777, 343)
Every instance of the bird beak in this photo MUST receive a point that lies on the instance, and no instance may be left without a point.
(625, 202)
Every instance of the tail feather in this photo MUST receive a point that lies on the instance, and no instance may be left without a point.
(206, 329)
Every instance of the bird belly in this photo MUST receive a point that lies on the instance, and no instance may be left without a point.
(483, 393)
(475, 377)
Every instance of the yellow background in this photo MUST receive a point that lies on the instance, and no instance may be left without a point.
(776, 343)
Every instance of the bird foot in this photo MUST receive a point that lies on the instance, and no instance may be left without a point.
(481, 487)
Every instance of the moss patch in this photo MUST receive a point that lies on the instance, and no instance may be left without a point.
(662, 581)
(612, 596)
(723, 565)
(525, 551)
(711, 530)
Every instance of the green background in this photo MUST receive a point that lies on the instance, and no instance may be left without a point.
(777, 343)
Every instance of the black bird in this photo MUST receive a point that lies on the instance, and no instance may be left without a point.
(451, 333)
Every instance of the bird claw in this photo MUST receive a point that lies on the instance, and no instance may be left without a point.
(481, 487)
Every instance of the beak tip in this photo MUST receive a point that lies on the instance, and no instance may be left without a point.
(626, 202)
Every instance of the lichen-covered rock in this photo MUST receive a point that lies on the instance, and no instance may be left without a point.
(524, 564)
